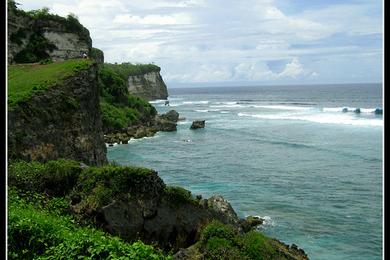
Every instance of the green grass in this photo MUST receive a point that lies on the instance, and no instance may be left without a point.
(41, 234)
(55, 178)
(180, 195)
(220, 241)
(25, 80)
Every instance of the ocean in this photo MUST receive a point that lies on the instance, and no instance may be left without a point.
(286, 153)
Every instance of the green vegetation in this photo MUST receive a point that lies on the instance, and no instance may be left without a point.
(98, 186)
(70, 23)
(28, 79)
(96, 54)
(119, 108)
(45, 233)
(35, 50)
(63, 178)
(55, 178)
(219, 241)
(180, 195)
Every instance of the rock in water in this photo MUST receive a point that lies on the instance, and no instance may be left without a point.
(171, 116)
(198, 124)
(357, 111)
(254, 221)
(345, 110)
(378, 111)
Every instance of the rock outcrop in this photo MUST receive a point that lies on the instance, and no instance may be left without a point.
(198, 124)
(149, 210)
(149, 86)
(48, 36)
(166, 122)
(62, 122)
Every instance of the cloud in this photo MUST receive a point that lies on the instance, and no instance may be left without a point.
(292, 69)
(152, 19)
(227, 40)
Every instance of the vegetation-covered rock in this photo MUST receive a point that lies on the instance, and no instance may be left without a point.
(38, 35)
(54, 112)
(44, 233)
(220, 241)
(131, 202)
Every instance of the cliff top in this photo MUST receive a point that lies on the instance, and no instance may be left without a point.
(25, 80)
(127, 69)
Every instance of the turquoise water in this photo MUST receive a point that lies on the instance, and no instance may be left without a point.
(288, 154)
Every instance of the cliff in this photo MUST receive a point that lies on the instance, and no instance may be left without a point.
(149, 86)
(38, 35)
(53, 112)
(134, 203)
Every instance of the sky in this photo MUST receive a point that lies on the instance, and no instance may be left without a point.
(231, 42)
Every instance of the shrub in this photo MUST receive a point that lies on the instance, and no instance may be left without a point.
(217, 229)
(256, 246)
(219, 241)
(38, 234)
(56, 178)
(99, 186)
(179, 195)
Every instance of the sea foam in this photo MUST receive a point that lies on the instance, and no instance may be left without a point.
(324, 118)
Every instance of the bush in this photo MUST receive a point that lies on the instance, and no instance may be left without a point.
(56, 178)
(36, 49)
(38, 234)
(217, 229)
(99, 186)
(219, 241)
(179, 195)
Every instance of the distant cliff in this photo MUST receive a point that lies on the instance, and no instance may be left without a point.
(53, 112)
(149, 86)
(38, 35)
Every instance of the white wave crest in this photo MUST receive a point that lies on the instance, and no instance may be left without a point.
(227, 106)
(157, 101)
(281, 107)
(195, 102)
(320, 118)
(348, 109)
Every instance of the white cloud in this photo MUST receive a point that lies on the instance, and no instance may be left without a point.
(292, 69)
(152, 19)
(198, 40)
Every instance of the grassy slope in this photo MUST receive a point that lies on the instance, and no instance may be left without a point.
(49, 233)
(25, 80)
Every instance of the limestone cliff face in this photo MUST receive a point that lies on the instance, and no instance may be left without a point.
(68, 38)
(149, 86)
(62, 122)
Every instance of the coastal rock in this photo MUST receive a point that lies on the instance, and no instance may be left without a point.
(62, 122)
(378, 111)
(165, 125)
(167, 122)
(357, 111)
(253, 221)
(172, 115)
(222, 207)
(68, 42)
(153, 214)
(198, 124)
(149, 86)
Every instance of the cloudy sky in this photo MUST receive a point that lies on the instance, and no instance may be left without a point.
(231, 42)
